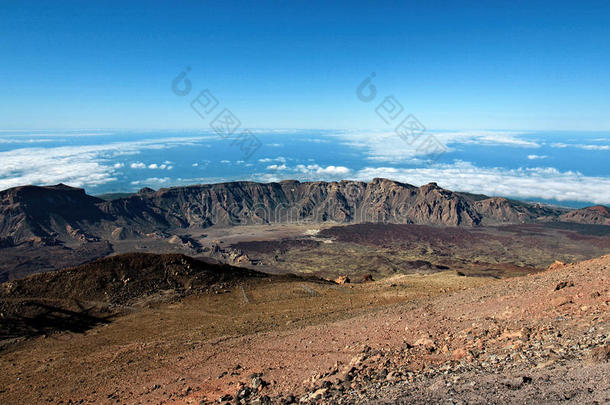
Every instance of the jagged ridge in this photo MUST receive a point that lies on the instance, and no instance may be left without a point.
(61, 214)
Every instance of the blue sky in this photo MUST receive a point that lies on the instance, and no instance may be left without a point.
(295, 64)
(515, 94)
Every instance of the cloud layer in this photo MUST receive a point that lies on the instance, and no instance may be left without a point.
(387, 146)
(87, 165)
(546, 183)
(376, 154)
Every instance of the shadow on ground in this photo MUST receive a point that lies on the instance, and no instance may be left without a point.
(39, 318)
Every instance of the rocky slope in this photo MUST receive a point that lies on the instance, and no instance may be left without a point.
(597, 214)
(122, 278)
(64, 215)
(541, 338)
(78, 298)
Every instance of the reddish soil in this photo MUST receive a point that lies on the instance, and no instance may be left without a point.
(542, 338)
(553, 325)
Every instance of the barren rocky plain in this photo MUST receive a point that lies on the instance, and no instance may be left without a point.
(445, 298)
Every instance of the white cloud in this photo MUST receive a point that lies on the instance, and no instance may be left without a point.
(79, 166)
(118, 165)
(387, 146)
(594, 147)
(279, 159)
(151, 166)
(17, 140)
(328, 170)
(50, 133)
(225, 161)
(151, 181)
(541, 182)
(311, 172)
(277, 167)
(69, 165)
(490, 138)
(202, 163)
(534, 157)
(333, 170)
(580, 146)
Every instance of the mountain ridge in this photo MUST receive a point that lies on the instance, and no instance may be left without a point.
(61, 214)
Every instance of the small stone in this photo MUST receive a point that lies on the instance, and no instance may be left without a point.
(225, 398)
(392, 375)
(318, 393)
(264, 400)
(357, 360)
(459, 354)
(563, 285)
(426, 342)
(342, 280)
(600, 354)
(258, 383)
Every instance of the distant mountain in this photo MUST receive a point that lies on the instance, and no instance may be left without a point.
(597, 214)
(47, 214)
(62, 215)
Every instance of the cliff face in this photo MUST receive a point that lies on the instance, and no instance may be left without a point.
(598, 214)
(243, 203)
(498, 210)
(61, 214)
(44, 214)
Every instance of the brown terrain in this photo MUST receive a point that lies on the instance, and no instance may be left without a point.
(597, 214)
(343, 292)
(48, 228)
(406, 338)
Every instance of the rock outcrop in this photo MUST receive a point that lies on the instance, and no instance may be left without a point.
(64, 215)
(596, 215)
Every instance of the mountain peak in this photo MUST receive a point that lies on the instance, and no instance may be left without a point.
(146, 190)
(597, 214)
(429, 187)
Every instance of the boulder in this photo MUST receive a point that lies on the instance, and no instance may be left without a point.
(342, 280)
